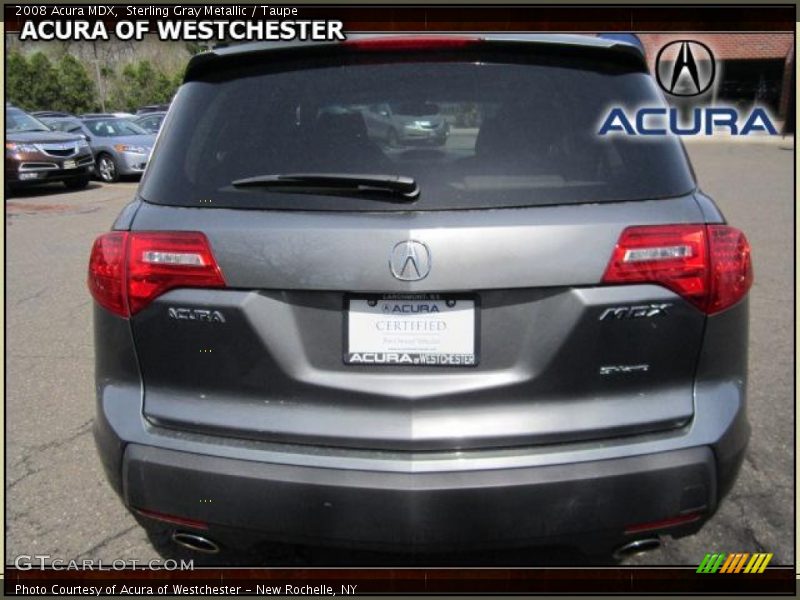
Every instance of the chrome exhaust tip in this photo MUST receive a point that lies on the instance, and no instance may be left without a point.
(636, 547)
(195, 542)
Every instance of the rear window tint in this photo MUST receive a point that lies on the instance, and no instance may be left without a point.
(474, 134)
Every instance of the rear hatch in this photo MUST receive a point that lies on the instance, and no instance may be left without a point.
(470, 314)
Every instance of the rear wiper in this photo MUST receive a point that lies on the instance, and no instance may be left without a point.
(381, 187)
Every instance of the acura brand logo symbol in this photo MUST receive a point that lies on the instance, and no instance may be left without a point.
(410, 261)
(685, 68)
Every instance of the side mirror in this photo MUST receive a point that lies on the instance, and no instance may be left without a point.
(87, 138)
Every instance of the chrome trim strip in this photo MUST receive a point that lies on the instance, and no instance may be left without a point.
(28, 167)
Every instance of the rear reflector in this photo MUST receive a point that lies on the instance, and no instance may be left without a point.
(708, 265)
(164, 518)
(128, 270)
(409, 43)
(663, 523)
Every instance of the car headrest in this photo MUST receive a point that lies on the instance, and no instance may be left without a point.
(518, 131)
(342, 127)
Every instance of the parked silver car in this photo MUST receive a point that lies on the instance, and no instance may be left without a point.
(406, 124)
(120, 146)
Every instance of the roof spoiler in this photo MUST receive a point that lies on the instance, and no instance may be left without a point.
(627, 38)
(625, 46)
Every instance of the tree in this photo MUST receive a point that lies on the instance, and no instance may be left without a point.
(139, 84)
(77, 90)
(34, 82)
(18, 80)
(42, 90)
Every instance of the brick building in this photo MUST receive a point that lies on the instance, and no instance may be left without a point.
(751, 67)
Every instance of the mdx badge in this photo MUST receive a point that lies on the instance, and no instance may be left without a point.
(640, 311)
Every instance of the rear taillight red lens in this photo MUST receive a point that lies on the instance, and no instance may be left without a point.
(410, 43)
(708, 265)
(161, 261)
(731, 267)
(128, 270)
(107, 271)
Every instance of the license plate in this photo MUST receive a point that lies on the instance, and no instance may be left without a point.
(418, 329)
(69, 164)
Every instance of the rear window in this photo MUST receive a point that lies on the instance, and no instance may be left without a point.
(495, 132)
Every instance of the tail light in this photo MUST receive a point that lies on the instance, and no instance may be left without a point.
(107, 272)
(708, 265)
(411, 43)
(128, 270)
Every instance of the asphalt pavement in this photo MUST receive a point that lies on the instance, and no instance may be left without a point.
(58, 502)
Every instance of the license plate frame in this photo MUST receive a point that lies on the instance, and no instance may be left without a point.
(411, 359)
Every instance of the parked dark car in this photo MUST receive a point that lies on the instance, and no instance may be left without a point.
(120, 146)
(107, 115)
(533, 336)
(150, 122)
(39, 114)
(36, 155)
(152, 108)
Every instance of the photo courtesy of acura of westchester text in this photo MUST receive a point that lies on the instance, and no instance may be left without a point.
(400, 286)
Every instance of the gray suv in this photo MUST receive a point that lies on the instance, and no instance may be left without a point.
(531, 336)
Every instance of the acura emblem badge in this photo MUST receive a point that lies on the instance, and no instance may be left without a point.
(410, 261)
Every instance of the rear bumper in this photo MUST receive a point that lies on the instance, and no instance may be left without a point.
(428, 501)
(423, 136)
(422, 512)
(131, 163)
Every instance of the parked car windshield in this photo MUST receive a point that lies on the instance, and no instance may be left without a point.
(150, 122)
(505, 134)
(113, 128)
(61, 124)
(18, 121)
